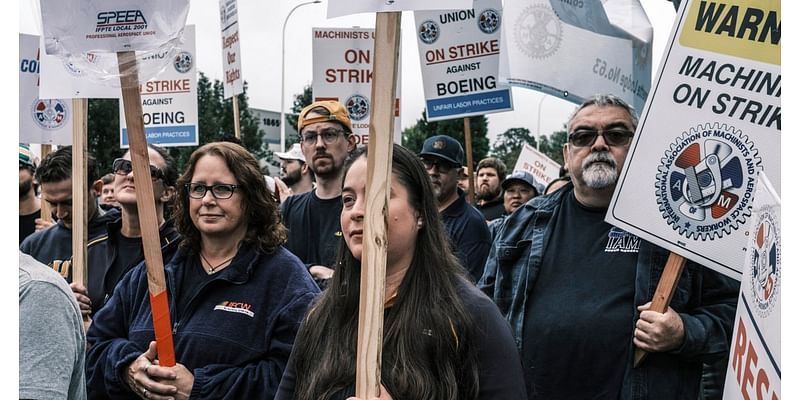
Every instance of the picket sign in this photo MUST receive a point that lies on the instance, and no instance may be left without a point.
(80, 186)
(468, 143)
(379, 175)
(145, 204)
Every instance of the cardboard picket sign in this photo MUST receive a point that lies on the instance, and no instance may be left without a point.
(578, 49)
(711, 124)
(47, 120)
(459, 53)
(343, 61)
(542, 167)
(754, 365)
(233, 83)
(340, 8)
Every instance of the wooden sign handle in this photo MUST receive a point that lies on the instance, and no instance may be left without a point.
(468, 143)
(379, 175)
(664, 291)
(236, 129)
(44, 207)
(146, 206)
(80, 189)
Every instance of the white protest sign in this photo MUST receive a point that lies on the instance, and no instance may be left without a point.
(754, 366)
(543, 169)
(710, 125)
(575, 51)
(47, 121)
(81, 26)
(64, 79)
(338, 8)
(343, 72)
(231, 55)
(459, 53)
(169, 101)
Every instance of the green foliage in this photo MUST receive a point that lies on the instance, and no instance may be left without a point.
(415, 136)
(508, 146)
(300, 102)
(215, 120)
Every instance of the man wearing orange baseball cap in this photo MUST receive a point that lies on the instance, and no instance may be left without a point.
(326, 139)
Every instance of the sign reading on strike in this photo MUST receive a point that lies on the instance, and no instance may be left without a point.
(47, 121)
(169, 101)
(542, 167)
(754, 366)
(343, 72)
(459, 53)
(711, 124)
(231, 55)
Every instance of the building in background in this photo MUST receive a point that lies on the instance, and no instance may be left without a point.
(269, 122)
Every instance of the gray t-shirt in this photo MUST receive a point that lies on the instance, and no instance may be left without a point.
(52, 344)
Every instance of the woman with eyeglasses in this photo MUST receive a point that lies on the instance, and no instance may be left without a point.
(236, 296)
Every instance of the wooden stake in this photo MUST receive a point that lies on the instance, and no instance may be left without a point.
(236, 129)
(80, 189)
(145, 204)
(379, 167)
(664, 291)
(44, 207)
(468, 143)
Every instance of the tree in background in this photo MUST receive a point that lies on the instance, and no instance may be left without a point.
(215, 120)
(300, 102)
(508, 146)
(415, 136)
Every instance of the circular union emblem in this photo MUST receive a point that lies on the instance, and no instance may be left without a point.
(765, 262)
(489, 21)
(49, 113)
(429, 32)
(706, 180)
(183, 62)
(537, 31)
(357, 106)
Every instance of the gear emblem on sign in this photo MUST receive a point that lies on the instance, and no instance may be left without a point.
(428, 32)
(49, 113)
(357, 106)
(537, 31)
(489, 21)
(705, 183)
(765, 262)
(183, 62)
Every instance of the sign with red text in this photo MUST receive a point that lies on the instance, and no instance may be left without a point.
(231, 54)
(47, 121)
(754, 366)
(459, 53)
(343, 72)
(338, 8)
(82, 26)
(543, 169)
(169, 101)
(710, 125)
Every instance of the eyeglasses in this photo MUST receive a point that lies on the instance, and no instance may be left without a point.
(219, 190)
(442, 166)
(124, 167)
(612, 137)
(329, 136)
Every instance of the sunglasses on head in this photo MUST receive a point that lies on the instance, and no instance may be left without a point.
(123, 167)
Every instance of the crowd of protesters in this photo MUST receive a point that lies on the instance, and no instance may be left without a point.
(516, 295)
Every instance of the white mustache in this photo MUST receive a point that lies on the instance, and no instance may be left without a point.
(602, 156)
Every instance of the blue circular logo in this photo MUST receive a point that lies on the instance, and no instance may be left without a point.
(429, 32)
(489, 21)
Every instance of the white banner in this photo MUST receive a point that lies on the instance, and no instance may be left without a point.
(169, 101)
(47, 121)
(343, 72)
(754, 366)
(579, 49)
(542, 167)
(459, 53)
(337, 8)
(81, 26)
(231, 54)
(64, 79)
(712, 122)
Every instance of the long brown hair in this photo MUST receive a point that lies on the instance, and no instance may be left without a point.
(259, 208)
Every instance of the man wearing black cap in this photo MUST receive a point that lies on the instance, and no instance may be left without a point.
(443, 157)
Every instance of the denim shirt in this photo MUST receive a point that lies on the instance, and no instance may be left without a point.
(704, 299)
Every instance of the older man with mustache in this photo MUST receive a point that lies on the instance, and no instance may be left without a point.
(576, 290)
(326, 138)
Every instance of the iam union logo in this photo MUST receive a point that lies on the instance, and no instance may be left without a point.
(357, 106)
(705, 183)
(49, 113)
(764, 262)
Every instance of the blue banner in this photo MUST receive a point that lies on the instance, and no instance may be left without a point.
(166, 136)
(472, 104)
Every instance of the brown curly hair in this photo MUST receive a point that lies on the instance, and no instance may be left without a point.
(264, 227)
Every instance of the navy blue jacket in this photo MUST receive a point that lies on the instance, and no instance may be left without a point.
(235, 336)
(704, 299)
(469, 234)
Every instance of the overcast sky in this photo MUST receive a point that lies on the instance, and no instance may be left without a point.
(260, 33)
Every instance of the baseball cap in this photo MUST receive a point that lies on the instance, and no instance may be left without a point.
(338, 113)
(294, 153)
(445, 148)
(26, 156)
(521, 176)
